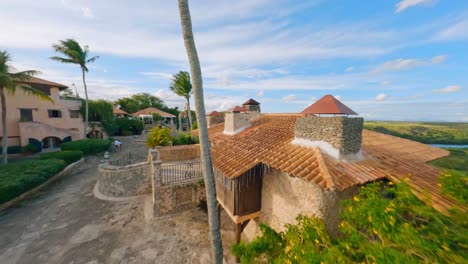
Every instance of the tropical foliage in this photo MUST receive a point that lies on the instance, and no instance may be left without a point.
(382, 224)
(184, 139)
(17, 178)
(158, 137)
(182, 86)
(425, 132)
(9, 81)
(88, 146)
(69, 156)
(75, 54)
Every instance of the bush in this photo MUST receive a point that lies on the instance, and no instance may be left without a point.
(12, 149)
(69, 156)
(185, 139)
(127, 126)
(17, 178)
(30, 148)
(87, 146)
(158, 137)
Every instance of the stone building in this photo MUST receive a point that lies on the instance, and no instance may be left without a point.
(271, 167)
(214, 117)
(251, 105)
(44, 124)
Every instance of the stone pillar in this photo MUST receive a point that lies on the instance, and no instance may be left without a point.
(156, 183)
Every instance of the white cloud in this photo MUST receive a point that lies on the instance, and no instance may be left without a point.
(404, 4)
(338, 97)
(381, 97)
(313, 98)
(384, 83)
(87, 12)
(457, 31)
(260, 93)
(349, 69)
(160, 75)
(407, 64)
(448, 89)
(289, 98)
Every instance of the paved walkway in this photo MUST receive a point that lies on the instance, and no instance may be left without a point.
(65, 223)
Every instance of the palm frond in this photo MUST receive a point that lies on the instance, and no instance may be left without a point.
(93, 59)
(33, 91)
(23, 76)
(63, 60)
(181, 84)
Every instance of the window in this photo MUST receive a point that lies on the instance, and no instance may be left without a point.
(55, 114)
(26, 115)
(74, 113)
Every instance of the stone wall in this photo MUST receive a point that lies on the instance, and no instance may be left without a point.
(342, 133)
(285, 197)
(252, 107)
(176, 153)
(236, 122)
(214, 119)
(175, 198)
(124, 181)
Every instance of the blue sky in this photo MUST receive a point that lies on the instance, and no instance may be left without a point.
(387, 60)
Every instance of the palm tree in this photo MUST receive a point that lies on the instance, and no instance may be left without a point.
(75, 54)
(9, 81)
(207, 167)
(182, 86)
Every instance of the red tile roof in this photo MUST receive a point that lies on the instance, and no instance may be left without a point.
(268, 141)
(152, 110)
(237, 109)
(35, 80)
(214, 113)
(251, 102)
(117, 111)
(328, 105)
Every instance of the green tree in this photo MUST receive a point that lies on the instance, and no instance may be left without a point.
(207, 167)
(139, 102)
(182, 86)
(158, 137)
(9, 81)
(75, 54)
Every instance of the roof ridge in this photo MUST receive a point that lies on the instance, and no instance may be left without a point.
(324, 168)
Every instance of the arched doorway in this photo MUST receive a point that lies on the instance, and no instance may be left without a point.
(95, 134)
(51, 143)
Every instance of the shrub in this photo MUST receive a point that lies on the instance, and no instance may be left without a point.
(30, 148)
(125, 126)
(158, 137)
(69, 156)
(12, 149)
(87, 146)
(17, 178)
(184, 139)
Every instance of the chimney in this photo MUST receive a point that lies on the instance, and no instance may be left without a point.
(326, 124)
(251, 105)
(237, 119)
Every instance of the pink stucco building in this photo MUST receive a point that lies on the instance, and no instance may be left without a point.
(31, 120)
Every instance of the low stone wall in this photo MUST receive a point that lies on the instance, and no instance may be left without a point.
(214, 119)
(342, 133)
(285, 197)
(175, 198)
(176, 153)
(124, 181)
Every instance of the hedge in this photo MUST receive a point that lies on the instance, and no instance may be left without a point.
(12, 149)
(87, 146)
(17, 178)
(69, 156)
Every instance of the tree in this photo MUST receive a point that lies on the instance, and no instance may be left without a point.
(139, 102)
(215, 234)
(182, 86)
(9, 81)
(75, 54)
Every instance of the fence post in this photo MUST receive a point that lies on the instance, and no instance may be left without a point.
(155, 169)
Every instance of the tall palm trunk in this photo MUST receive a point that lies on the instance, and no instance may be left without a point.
(213, 219)
(189, 114)
(4, 127)
(86, 104)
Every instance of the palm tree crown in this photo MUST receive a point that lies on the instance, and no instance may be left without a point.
(181, 84)
(74, 53)
(9, 81)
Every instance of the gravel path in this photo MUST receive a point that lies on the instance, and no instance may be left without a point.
(65, 223)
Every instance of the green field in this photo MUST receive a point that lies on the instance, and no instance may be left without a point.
(424, 132)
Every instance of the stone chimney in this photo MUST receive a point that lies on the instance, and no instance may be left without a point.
(251, 105)
(338, 136)
(237, 119)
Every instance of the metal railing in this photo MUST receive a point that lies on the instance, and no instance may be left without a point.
(180, 172)
(128, 159)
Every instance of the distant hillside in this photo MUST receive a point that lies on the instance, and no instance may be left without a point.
(424, 132)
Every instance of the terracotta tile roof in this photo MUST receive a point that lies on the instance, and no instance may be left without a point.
(237, 109)
(268, 141)
(328, 105)
(214, 113)
(251, 102)
(35, 80)
(117, 111)
(152, 110)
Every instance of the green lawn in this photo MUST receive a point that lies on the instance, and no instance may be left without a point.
(425, 132)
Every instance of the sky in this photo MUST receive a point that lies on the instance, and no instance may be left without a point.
(387, 60)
